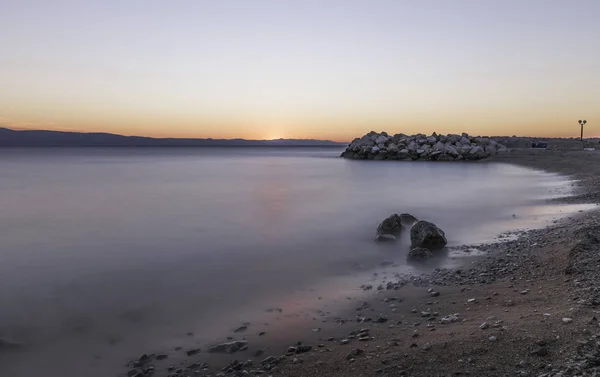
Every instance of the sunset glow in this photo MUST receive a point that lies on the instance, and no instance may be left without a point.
(300, 69)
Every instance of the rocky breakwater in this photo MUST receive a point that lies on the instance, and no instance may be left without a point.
(381, 146)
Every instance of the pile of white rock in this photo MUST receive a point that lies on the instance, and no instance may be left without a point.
(381, 146)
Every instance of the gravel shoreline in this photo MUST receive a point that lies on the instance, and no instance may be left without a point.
(525, 309)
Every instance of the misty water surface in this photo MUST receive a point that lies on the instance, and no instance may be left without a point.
(107, 251)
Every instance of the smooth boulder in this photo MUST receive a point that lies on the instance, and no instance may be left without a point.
(392, 225)
(427, 235)
(418, 254)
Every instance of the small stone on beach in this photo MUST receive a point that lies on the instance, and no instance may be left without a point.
(192, 351)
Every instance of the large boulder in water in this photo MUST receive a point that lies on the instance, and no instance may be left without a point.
(418, 254)
(427, 235)
(391, 225)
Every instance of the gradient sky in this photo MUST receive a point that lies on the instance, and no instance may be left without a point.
(301, 69)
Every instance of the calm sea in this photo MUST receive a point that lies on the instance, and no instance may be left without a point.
(108, 253)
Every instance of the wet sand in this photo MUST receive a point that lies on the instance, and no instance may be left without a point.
(524, 308)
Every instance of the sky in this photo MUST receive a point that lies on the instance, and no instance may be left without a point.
(327, 69)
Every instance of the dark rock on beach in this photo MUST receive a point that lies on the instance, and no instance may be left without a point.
(418, 254)
(229, 347)
(8, 345)
(427, 235)
(391, 225)
(193, 351)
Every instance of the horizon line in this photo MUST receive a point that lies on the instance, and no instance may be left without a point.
(19, 129)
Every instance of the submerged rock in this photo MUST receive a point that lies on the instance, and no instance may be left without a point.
(419, 254)
(193, 351)
(229, 347)
(8, 345)
(385, 238)
(427, 235)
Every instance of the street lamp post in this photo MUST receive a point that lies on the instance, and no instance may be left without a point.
(581, 123)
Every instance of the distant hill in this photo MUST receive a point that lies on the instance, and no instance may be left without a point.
(31, 138)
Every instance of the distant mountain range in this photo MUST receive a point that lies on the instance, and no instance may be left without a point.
(31, 138)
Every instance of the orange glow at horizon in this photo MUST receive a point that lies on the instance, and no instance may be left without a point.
(341, 130)
(324, 132)
(309, 70)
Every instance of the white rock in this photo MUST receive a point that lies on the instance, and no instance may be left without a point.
(381, 140)
(449, 319)
(567, 320)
